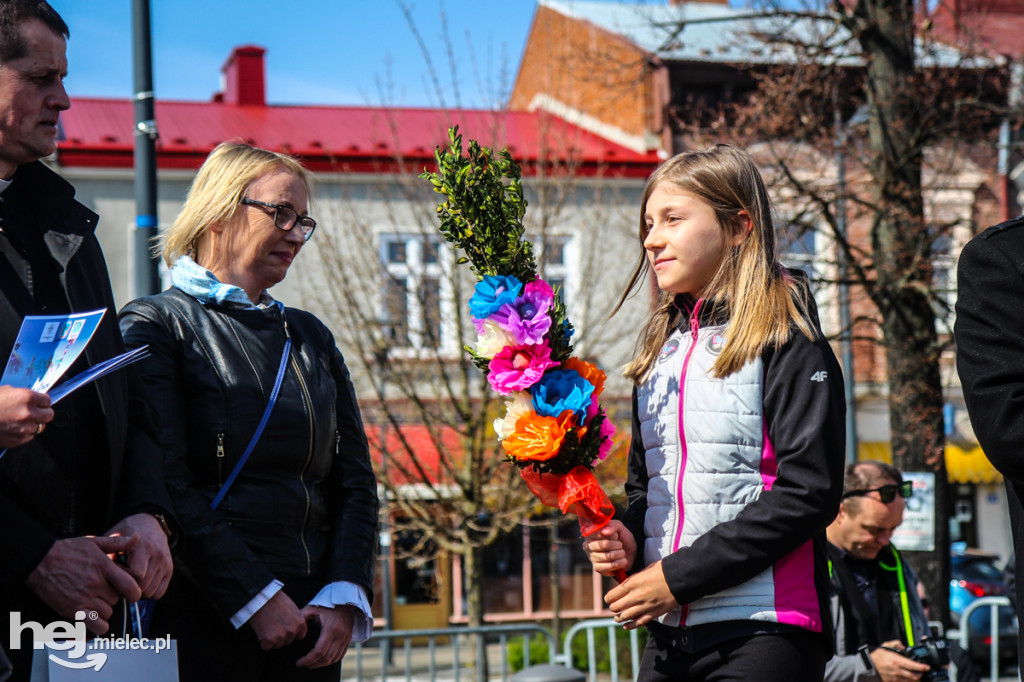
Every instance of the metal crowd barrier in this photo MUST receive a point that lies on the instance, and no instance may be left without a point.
(591, 628)
(458, 657)
(454, 653)
(963, 635)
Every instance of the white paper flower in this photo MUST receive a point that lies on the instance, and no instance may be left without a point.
(491, 339)
(520, 404)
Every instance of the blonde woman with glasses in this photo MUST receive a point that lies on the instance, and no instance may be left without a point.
(264, 450)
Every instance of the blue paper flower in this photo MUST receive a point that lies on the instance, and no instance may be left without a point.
(491, 293)
(561, 390)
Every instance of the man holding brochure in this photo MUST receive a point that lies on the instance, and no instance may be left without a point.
(82, 479)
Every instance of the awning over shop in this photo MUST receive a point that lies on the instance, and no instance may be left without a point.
(962, 465)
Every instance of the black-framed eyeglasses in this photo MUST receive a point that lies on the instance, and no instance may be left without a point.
(886, 493)
(285, 217)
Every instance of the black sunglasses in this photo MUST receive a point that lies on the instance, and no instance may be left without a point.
(886, 493)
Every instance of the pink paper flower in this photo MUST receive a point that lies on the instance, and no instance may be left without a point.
(517, 368)
(607, 431)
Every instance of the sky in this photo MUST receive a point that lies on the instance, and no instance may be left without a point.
(341, 52)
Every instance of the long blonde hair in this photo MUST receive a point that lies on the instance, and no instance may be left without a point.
(217, 191)
(762, 299)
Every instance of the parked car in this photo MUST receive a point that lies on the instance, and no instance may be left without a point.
(975, 575)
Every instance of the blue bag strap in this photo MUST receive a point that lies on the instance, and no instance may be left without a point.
(259, 429)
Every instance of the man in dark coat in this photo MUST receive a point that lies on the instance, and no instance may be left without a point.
(989, 336)
(80, 480)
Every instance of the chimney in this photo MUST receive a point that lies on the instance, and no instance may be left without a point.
(244, 78)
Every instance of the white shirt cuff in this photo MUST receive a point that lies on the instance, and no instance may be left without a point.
(256, 603)
(343, 593)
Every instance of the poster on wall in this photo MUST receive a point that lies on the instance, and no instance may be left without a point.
(917, 532)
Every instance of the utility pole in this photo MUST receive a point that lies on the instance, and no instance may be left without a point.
(147, 275)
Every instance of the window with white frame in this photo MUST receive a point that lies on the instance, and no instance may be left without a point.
(943, 276)
(412, 289)
(798, 248)
(553, 254)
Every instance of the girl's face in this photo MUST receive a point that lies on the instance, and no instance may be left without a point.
(684, 243)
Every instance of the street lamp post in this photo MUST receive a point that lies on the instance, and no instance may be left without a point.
(147, 276)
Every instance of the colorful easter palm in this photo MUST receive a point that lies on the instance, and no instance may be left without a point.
(554, 429)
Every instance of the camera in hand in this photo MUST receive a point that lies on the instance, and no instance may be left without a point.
(934, 652)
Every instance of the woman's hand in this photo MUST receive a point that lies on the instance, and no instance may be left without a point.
(335, 635)
(611, 549)
(278, 622)
(642, 598)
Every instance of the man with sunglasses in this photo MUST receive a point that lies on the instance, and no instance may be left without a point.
(876, 611)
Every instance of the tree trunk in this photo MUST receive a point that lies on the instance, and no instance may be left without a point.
(556, 578)
(475, 607)
(918, 444)
(902, 252)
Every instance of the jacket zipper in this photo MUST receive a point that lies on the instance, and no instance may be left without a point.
(220, 460)
(309, 458)
(694, 330)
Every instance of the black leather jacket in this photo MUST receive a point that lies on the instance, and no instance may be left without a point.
(305, 503)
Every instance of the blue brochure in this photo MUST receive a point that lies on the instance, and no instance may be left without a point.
(48, 344)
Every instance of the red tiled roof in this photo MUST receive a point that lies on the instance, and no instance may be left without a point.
(98, 133)
(990, 26)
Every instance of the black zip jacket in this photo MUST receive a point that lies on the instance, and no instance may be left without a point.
(305, 503)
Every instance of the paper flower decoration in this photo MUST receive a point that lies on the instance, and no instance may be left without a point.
(557, 431)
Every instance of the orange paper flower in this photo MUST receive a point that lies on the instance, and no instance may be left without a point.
(537, 438)
(588, 371)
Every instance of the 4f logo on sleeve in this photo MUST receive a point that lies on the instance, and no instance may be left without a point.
(819, 376)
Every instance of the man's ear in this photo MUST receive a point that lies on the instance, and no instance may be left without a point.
(744, 226)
